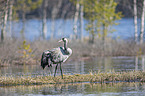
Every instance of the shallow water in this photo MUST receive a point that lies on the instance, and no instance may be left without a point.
(79, 89)
(103, 64)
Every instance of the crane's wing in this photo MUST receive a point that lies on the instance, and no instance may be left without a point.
(58, 55)
(55, 55)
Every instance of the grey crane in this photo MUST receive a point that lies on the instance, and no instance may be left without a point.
(56, 56)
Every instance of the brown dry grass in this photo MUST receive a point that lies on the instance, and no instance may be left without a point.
(81, 50)
(132, 76)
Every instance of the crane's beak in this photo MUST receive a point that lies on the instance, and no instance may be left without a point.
(60, 40)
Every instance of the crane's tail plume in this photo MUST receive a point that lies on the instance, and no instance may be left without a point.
(45, 60)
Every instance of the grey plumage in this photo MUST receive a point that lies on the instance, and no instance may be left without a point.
(56, 56)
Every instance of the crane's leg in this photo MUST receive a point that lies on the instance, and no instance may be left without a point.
(49, 62)
(61, 71)
(55, 70)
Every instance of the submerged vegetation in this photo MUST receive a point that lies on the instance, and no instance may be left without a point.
(132, 76)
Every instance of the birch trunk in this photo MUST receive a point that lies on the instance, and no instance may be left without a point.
(3, 31)
(142, 23)
(75, 27)
(44, 25)
(82, 22)
(1, 21)
(10, 18)
(23, 26)
(135, 22)
(104, 38)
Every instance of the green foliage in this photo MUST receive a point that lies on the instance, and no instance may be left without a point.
(25, 50)
(101, 16)
(77, 1)
(25, 6)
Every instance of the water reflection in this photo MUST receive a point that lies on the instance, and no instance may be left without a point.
(111, 89)
(103, 64)
(140, 62)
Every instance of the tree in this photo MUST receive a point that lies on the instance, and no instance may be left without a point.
(89, 6)
(44, 25)
(101, 16)
(76, 16)
(10, 17)
(135, 21)
(142, 23)
(81, 20)
(79, 14)
(4, 19)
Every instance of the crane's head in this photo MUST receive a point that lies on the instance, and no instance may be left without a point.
(63, 39)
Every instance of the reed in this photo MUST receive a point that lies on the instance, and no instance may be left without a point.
(133, 76)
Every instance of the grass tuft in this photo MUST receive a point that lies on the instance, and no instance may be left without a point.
(133, 76)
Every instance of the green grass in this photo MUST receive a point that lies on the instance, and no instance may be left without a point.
(92, 78)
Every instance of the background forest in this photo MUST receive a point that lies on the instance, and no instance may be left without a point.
(94, 28)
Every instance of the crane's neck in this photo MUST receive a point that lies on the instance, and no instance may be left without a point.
(65, 46)
(66, 50)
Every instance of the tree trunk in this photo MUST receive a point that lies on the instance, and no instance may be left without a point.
(3, 30)
(135, 22)
(53, 24)
(75, 28)
(142, 23)
(104, 38)
(23, 27)
(10, 18)
(44, 25)
(82, 22)
(92, 33)
(54, 14)
(92, 38)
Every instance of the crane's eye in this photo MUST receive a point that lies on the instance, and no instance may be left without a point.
(63, 39)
